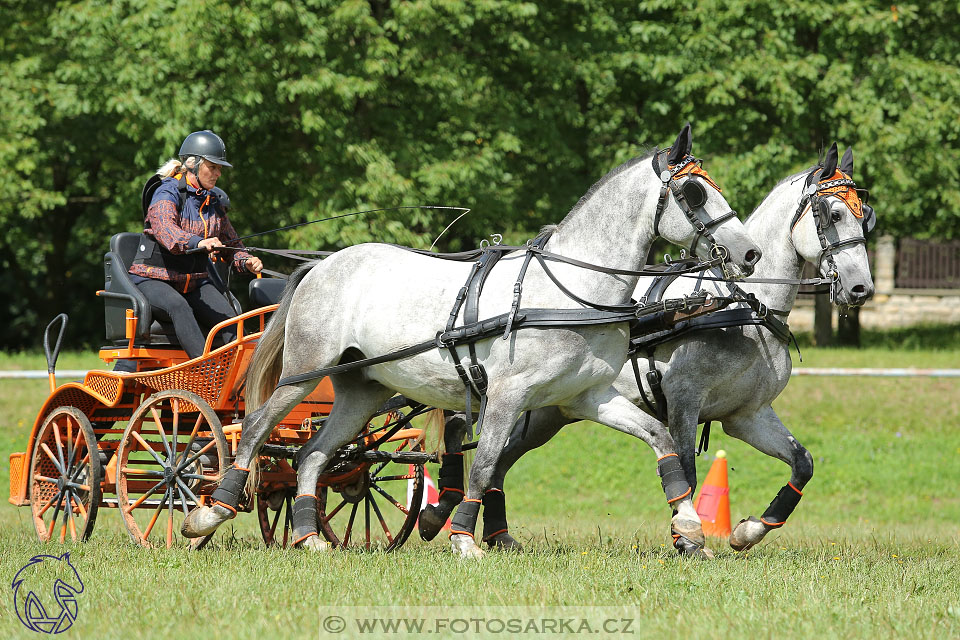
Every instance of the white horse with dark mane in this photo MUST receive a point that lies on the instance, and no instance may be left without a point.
(733, 374)
(334, 313)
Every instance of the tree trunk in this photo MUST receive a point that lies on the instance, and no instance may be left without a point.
(822, 321)
(848, 328)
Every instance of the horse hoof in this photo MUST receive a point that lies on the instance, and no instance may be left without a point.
(504, 542)
(314, 543)
(465, 546)
(747, 533)
(276, 499)
(688, 529)
(203, 521)
(431, 521)
(691, 549)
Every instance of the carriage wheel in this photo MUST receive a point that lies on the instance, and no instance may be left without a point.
(65, 477)
(372, 512)
(172, 454)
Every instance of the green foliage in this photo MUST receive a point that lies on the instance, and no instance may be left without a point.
(512, 108)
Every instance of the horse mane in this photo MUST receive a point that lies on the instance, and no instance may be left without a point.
(610, 175)
(791, 179)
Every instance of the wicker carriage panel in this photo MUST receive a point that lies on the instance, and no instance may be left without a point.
(18, 464)
(204, 377)
(107, 385)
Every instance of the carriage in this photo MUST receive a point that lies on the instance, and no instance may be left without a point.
(154, 442)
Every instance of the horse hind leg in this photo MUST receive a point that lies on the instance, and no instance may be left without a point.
(257, 427)
(768, 434)
(449, 479)
(355, 402)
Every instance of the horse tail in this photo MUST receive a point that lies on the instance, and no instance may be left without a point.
(267, 362)
(435, 422)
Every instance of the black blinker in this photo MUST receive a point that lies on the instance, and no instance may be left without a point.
(694, 193)
(869, 218)
(823, 210)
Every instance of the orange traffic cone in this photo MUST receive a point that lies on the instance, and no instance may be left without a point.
(713, 503)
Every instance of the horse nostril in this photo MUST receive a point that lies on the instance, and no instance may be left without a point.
(752, 256)
(860, 290)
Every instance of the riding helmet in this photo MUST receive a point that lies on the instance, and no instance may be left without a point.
(205, 144)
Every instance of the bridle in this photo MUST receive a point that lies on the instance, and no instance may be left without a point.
(690, 197)
(816, 195)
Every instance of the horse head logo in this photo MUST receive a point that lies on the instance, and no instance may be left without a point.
(42, 575)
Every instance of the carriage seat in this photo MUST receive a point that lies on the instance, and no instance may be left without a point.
(150, 332)
(265, 291)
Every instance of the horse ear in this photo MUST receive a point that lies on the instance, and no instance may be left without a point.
(830, 162)
(846, 162)
(682, 146)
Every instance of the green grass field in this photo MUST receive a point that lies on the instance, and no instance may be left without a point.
(873, 550)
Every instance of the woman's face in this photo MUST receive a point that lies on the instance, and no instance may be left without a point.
(207, 174)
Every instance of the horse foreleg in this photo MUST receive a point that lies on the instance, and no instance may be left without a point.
(767, 433)
(497, 422)
(613, 410)
(449, 479)
(257, 427)
(526, 435)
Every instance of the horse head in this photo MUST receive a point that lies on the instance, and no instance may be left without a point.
(698, 215)
(830, 226)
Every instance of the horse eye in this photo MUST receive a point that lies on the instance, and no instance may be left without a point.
(835, 216)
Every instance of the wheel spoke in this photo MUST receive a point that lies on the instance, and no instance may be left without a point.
(176, 424)
(56, 512)
(48, 504)
(76, 448)
(383, 523)
(193, 436)
(56, 437)
(390, 498)
(273, 526)
(149, 493)
(41, 478)
(199, 476)
(346, 535)
(185, 489)
(156, 514)
(366, 519)
(66, 462)
(66, 517)
(159, 425)
(148, 448)
(53, 458)
(334, 512)
(170, 520)
(193, 458)
(183, 501)
(80, 507)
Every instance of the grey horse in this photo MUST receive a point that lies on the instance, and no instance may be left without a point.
(730, 375)
(333, 313)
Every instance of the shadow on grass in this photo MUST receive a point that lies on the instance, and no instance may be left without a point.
(944, 337)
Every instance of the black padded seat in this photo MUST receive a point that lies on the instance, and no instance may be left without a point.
(265, 291)
(123, 248)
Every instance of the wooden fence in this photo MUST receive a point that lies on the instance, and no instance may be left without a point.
(923, 264)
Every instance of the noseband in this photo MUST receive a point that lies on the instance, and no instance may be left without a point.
(815, 197)
(690, 197)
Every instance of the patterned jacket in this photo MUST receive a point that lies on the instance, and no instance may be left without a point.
(203, 216)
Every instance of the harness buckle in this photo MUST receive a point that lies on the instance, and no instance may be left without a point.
(699, 226)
